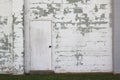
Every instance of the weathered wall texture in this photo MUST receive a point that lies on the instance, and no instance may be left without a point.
(81, 34)
(81, 31)
(6, 59)
(18, 36)
(11, 36)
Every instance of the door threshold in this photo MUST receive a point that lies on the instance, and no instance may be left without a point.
(41, 72)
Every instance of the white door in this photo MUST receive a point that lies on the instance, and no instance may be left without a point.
(40, 45)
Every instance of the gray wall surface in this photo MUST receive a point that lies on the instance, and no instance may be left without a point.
(116, 36)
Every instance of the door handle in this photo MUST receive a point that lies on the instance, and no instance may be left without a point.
(50, 46)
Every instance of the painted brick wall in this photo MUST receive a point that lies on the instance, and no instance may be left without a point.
(6, 59)
(81, 33)
(18, 44)
(11, 37)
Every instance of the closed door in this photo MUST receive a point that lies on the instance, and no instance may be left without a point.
(40, 45)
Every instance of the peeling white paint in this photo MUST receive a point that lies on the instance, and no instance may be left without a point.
(6, 58)
(81, 35)
(11, 37)
(18, 37)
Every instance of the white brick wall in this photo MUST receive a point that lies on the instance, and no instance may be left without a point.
(11, 36)
(18, 36)
(81, 34)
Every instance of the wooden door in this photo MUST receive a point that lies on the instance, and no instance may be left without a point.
(40, 45)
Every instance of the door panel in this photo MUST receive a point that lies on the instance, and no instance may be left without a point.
(40, 42)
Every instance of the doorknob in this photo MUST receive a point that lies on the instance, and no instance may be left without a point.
(50, 46)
